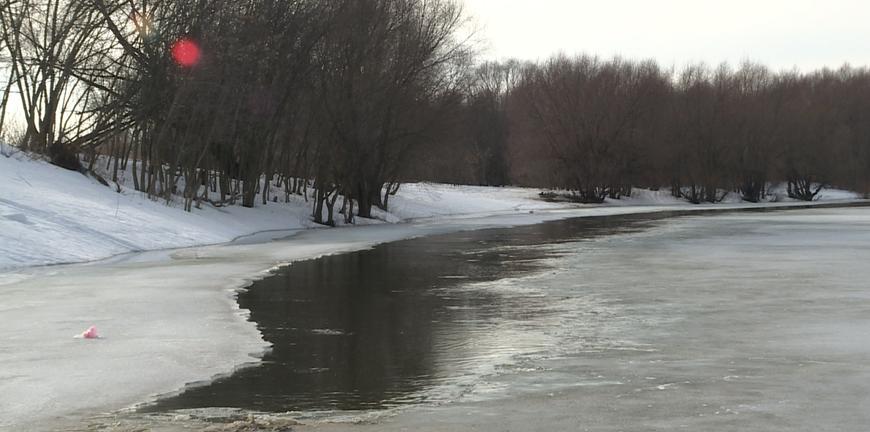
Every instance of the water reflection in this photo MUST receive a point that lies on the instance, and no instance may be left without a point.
(380, 327)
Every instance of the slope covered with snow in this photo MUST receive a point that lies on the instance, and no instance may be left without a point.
(49, 215)
(419, 200)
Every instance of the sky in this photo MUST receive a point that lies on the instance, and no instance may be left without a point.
(781, 34)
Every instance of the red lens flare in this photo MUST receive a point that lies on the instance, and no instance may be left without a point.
(185, 52)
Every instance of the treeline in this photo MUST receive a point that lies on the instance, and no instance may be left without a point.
(227, 100)
(322, 97)
(600, 127)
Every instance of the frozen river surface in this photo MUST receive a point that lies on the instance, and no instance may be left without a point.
(739, 321)
(742, 321)
(724, 323)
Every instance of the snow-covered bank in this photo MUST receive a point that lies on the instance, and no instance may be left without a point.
(49, 215)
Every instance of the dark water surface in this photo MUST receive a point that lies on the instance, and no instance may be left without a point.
(370, 329)
(384, 327)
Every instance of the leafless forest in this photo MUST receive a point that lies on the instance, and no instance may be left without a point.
(349, 98)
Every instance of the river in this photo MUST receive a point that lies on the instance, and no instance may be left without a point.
(737, 321)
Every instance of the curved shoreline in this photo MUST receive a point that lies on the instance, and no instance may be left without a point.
(203, 272)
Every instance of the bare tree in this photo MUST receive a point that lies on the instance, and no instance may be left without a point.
(487, 124)
(387, 69)
(48, 43)
(589, 113)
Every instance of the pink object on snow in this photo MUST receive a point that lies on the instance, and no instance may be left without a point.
(90, 333)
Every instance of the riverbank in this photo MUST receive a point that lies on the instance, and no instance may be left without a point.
(51, 216)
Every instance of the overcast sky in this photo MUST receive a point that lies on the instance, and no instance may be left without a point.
(780, 33)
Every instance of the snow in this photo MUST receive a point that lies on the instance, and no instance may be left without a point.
(420, 200)
(49, 215)
(169, 317)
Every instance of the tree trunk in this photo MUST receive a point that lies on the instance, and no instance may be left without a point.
(318, 206)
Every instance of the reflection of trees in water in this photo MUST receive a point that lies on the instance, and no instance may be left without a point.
(352, 331)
